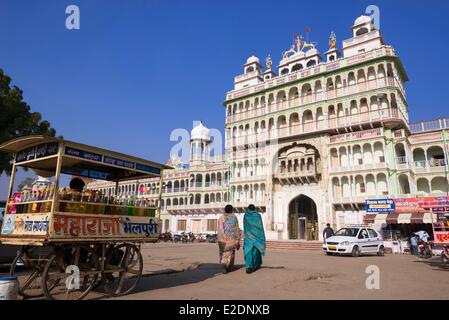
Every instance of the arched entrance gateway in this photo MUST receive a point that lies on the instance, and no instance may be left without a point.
(302, 219)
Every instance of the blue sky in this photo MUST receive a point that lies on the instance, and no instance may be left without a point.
(138, 69)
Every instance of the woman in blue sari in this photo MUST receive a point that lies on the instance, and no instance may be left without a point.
(254, 243)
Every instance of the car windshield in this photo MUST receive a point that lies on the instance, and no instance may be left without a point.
(347, 232)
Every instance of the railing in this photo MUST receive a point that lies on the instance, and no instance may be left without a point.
(365, 134)
(362, 167)
(430, 165)
(401, 160)
(297, 101)
(297, 174)
(321, 125)
(175, 190)
(431, 125)
(248, 178)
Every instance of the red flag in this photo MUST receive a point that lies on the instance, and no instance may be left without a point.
(307, 29)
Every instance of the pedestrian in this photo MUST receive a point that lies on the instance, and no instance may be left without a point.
(414, 244)
(228, 238)
(254, 244)
(312, 232)
(328, 231)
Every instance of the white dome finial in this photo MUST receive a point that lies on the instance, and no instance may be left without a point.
(200, 132)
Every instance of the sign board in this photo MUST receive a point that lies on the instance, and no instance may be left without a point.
(380, 205)
(441, 237)
(422, 205)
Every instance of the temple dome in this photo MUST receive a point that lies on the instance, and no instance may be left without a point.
(362, 20)
(200, 132)
(252, 59)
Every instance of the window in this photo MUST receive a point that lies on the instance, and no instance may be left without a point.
(362, 187)
(372, 233)
(212, 225)
(182, 224)
(363, 234)
(167, 225)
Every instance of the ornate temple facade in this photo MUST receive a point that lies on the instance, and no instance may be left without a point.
(308, 145)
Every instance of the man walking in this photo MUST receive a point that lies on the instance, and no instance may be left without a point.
(328, 231)
(413, 244)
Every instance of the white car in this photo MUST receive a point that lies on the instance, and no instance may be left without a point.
(354, 241)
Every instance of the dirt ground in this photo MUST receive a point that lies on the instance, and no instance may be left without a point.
(286, 274)
(191, 271)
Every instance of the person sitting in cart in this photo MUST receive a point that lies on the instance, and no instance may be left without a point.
(77, 184)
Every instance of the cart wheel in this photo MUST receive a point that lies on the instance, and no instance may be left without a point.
(123, 269)
(60, 278)
(28, 266)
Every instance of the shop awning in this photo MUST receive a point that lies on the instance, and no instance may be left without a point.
(392, 217)
(369, 218)
(417, 217)
(399, 218)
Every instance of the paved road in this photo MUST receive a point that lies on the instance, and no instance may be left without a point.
(287, 274)
(191, 271)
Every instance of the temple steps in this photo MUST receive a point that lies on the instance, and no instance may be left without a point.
(294, 245)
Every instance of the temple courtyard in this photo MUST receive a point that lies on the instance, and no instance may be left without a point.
(191, 272)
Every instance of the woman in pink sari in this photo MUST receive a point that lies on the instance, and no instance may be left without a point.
(228, 238)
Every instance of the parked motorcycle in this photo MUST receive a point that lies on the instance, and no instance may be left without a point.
(212, 238)
(178, 238)
(189, 237)
(424, 250)
(166, 237)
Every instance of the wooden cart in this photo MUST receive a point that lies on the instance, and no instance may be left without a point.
(74, 241)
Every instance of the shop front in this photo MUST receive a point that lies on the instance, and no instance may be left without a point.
(397, 219)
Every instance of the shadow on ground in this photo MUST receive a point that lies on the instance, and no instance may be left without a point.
(435, 263)
(203, 272)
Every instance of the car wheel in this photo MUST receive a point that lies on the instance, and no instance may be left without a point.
(329, 254)
(381, 251)
(355, 251)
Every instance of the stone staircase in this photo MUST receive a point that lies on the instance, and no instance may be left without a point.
(293, 245)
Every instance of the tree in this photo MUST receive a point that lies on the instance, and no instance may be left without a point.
(16, 119)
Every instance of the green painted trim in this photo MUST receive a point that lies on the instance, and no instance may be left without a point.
(390, 159)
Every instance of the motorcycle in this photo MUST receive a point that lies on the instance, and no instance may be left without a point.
(202, 237)
(445, 255)
(178, 238)
(189, 237)
(424, 250)
(167, 236)
(212, 238)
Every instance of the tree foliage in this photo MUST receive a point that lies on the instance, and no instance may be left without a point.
(16, 119)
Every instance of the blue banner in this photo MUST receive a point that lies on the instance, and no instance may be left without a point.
(379, 205)
(83, 154)
(119, 162)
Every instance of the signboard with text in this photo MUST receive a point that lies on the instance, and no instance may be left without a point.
(380, 205)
